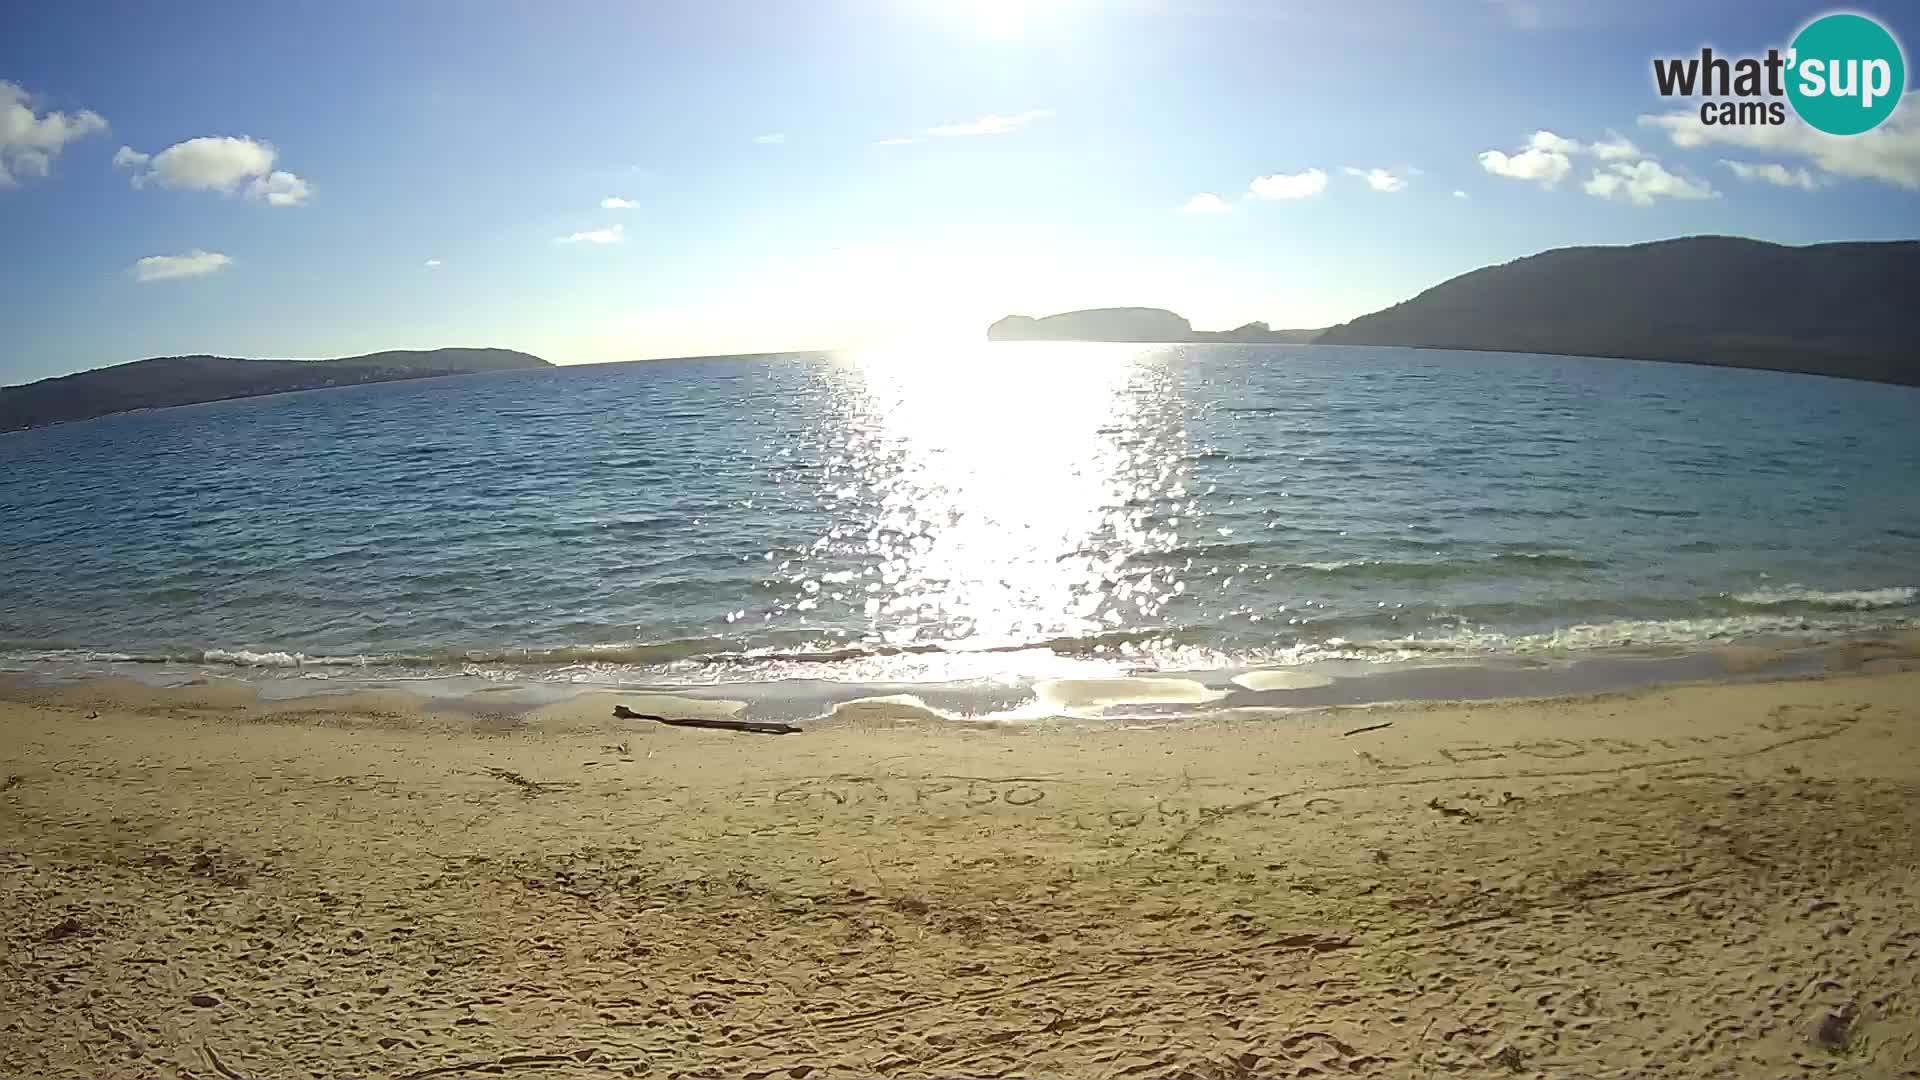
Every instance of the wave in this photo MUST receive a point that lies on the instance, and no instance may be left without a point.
(1546, 559)
(692, 651)
(1625, 634)
(1790, 611)
(1792, 596)
(1392, 570)
(1179, 554)
(273, 659)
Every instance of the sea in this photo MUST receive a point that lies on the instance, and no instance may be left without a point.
(965, 521)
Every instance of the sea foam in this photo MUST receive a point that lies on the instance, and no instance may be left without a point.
(1838, 600)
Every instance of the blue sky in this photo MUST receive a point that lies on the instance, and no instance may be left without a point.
(822, 173)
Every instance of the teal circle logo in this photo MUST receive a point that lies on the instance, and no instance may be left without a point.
(1846, 74)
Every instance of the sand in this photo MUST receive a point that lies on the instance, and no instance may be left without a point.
(1700, 881)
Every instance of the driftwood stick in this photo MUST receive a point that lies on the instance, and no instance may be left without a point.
(754, 726)
(510, 1061)
(218, 1065)
(1369, 727)
(527, 787)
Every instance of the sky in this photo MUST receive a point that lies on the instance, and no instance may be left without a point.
(593, 181)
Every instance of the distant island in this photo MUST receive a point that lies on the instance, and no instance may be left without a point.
(1845, 310)
(1133, 324)
(185, 380)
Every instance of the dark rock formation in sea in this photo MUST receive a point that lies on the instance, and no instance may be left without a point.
(1827, 309)
(1094, 324)
(1258, 332)
(184, 380)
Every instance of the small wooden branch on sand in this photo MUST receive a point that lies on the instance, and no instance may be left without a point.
(218, 1065)
(752, 726)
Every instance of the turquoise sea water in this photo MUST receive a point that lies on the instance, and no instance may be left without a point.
(966, 513)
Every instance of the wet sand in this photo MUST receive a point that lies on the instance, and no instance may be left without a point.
(1712, 880)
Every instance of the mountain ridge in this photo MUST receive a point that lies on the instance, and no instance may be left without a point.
(160, 382)
(1841, 309)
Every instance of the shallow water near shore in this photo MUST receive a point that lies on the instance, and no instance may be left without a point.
(968, 524)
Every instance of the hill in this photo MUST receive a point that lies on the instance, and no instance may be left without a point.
(1827, 309)
(185, 380)
(1131, 324)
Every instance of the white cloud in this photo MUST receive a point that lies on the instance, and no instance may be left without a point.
(609, 235)
(29, 141)
(224, 163)
(278, 189)
(772, 138)
(1616, 147)
(1603, 185)
(1540, 165)
(195, 263)
(991, 124)
(1288, 185)
(1889, 153)
(1379, 179)
(1775, 173)
(1205, 203)
(1643, 182)
(615, 202)
(1545, 160)
(212, 163)
(1458, 194)
(432, 264)
(1547, 140)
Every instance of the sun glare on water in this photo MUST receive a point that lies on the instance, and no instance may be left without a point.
(1003, 480)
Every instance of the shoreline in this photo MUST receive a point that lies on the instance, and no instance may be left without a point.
(1113, 691)
(1710, 879)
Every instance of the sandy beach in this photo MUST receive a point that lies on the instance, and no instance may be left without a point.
(1708, 880)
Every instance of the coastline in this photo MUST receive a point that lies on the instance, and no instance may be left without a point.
(1710, 878)
(1025, 686)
